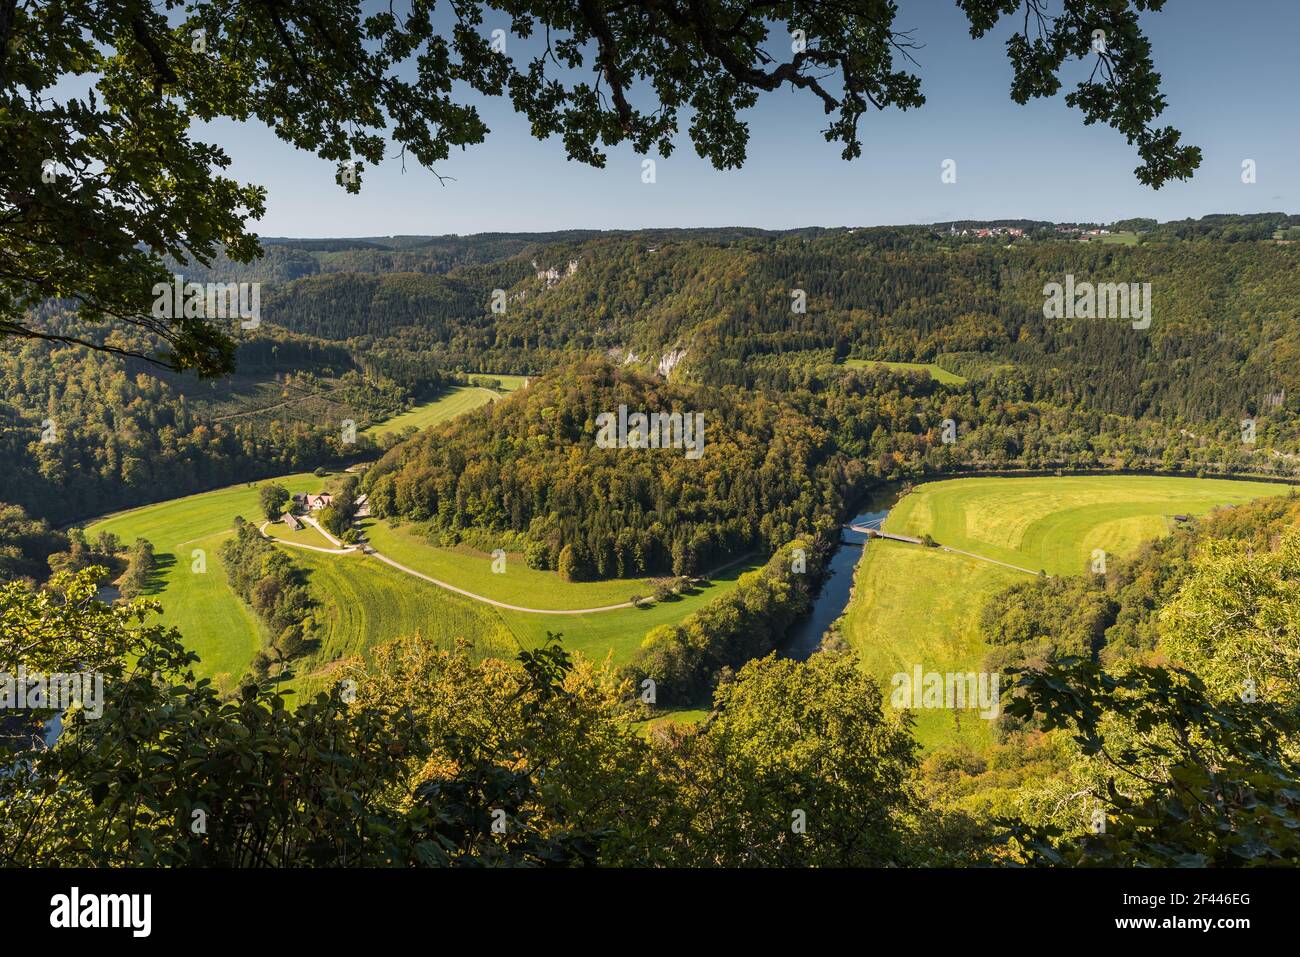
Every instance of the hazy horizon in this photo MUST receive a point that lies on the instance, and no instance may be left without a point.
(766, 229)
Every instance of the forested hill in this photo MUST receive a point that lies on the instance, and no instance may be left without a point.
(530, 466)
(1223, 339)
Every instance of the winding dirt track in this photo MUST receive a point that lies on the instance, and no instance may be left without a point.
(350, 549)
(493, 601)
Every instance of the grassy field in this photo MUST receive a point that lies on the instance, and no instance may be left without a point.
(940, 375)
(914, 605)
(1056, 523)
(619, 633)
(683, 716)
(517, 585)
(595, 634)
(456, 401)
(363, 603)
(186, 534)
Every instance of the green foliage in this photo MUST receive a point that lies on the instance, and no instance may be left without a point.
(83, 553)
(63, 628)
(1032, 624)
(171, 774)
(1235, 621)
(273, 498)
(332, 520)
(687, 660)
(568, 565)
(140, 565)
(1189, 780)
(799, 766)
(273, 586)
(26, 544)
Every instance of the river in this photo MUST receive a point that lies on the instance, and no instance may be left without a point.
(806, 636)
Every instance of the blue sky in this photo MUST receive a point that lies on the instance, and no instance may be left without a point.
(1231, 76)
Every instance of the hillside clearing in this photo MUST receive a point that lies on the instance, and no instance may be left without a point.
(455, 401)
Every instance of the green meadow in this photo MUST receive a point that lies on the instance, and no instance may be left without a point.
(307, 535)
(362, 602)
(935, 372)
(455, 401)
(913, 605)
(620, 633)
(518, 584)
(1057, 523)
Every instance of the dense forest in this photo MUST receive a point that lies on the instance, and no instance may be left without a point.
(531, 465)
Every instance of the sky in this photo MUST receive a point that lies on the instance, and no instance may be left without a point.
(1231, 77)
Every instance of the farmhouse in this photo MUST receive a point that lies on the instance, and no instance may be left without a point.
(317, 502)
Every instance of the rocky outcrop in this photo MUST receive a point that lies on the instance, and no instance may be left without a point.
(669, 362)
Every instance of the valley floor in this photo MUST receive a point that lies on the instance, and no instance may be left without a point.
(914, 605)
(364, 599)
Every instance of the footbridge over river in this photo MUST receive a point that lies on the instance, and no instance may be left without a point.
(872, 530)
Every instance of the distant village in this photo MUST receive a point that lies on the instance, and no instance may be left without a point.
(1015, 232)
(985, 231)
